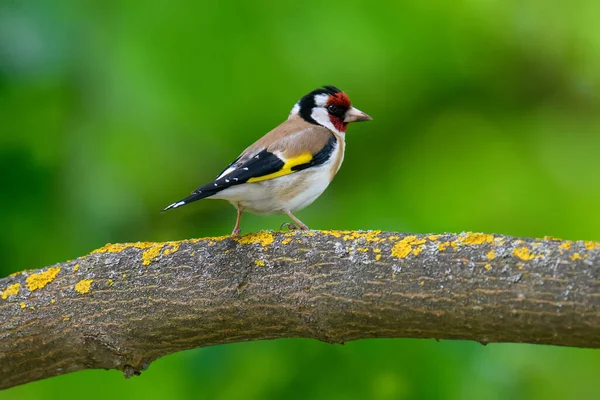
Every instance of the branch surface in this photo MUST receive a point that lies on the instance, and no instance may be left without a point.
(125, 305)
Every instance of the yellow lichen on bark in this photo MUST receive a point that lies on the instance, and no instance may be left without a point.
(418, 250)
(151, 253)
(12, 290)
(405, 246)
(262, 238)
(589, 245)
(119, 247)
(174, 246)
(83, 286)
(475, 238)
(565, 246)
(151, 249)
(370, 237)
(377, 252)
(491, 255)
(334, 233)
(210, 239)
(554, 238)
(38, 281)
(523, 253)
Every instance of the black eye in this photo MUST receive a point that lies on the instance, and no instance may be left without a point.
(336, 110)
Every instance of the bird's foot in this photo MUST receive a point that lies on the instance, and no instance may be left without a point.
(236, 232)
(293, 227)
(289, 225)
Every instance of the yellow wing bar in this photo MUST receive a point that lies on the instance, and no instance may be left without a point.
(303, 158)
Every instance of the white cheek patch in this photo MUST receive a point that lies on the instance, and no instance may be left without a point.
(321, 115)
(295, 110)
(321, 100)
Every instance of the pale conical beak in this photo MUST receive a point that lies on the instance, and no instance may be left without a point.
(355, 115)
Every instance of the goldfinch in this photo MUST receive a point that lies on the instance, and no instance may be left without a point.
(292, 165)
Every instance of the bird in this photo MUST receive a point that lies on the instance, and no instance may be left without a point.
(291, 166)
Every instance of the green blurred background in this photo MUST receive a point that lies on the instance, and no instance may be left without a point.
(486, 118)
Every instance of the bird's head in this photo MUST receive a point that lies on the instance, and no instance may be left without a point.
(329, 107)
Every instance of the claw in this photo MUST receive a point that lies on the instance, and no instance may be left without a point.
(289, 225)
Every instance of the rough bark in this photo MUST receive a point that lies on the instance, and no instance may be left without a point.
(125, 305)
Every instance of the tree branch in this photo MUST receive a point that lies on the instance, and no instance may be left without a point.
(125, 305)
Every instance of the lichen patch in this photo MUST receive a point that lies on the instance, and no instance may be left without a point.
(151, 249)
(173, 247)
(149, 255)
(523, 253)
(405, 246)
(470, 238)
(589, 245)
(38, 281)
(553, 238)
(370, 236)
(418, 250)
(83, 286)
(565, 246)
(334, 233)
(443, 246)
(12, 290)
(119, 247)
(262, 238)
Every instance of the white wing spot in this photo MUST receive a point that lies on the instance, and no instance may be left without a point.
(257, 157)
(178, 204)
(226, 180)
(236, 179)
(245, 168)
(216, 184)
(226, 172)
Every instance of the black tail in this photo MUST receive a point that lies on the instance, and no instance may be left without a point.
(197, 195)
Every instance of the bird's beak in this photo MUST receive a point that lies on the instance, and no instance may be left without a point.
(355, 115)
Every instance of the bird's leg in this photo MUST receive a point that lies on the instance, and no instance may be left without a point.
(236, 228)
(299, 223)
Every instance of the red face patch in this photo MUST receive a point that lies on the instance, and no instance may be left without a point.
(340, 99)
(342, 102)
